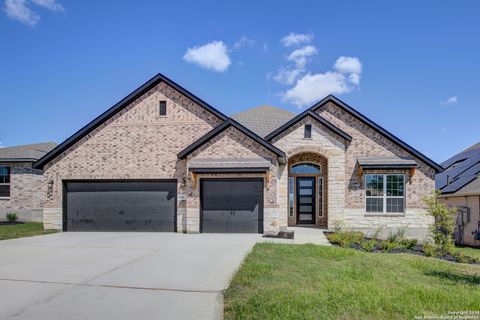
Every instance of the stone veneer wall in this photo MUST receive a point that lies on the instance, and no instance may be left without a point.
(25, 192)
(324, 143)
(233, 144)
(368, 142)
(136, 143)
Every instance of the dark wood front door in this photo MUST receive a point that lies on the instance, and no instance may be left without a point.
(306, 200)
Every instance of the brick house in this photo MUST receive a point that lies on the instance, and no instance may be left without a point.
(459, 187)
(164, 160)
(20, 183)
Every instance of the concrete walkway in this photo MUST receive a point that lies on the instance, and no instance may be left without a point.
(118, 275)
(304, 235)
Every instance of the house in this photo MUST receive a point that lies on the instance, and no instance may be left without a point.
(162, 159)
(459, 187)
(21, 184)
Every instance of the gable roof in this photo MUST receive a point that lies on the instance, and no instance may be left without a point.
(222, 127)
(264, 119)
(384, 132)
(315, 116)
(118, 107)
(27, 152)
(462, 173)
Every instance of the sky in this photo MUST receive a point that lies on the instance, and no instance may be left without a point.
(411, 66)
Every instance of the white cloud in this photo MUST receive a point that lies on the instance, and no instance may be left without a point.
(212, 56)
(450, 100)
(243, 42)
(300, 56)
(348, 65)
(288, 75)
(18, 10)
(264, 47)
(294, 39)
(52, 5)
(312, 87)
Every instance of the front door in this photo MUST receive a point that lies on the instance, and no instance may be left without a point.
(306, 200)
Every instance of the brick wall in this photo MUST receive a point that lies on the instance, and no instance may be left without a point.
(136, 143)
(25, 192)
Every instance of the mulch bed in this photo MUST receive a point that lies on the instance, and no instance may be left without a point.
(8, 223)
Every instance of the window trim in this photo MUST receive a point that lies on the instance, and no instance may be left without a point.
(309, 131)
(9, 184)
(291, 191)
(384, 196)
(160, 108)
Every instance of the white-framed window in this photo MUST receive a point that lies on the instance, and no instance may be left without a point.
(385, 193)
(4, 182)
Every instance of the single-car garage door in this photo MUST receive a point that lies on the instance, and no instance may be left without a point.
(120, 205)
(231, 205)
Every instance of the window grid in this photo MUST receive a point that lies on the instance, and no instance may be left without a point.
(308, 131)
(163, 108)
(385, 193)
(4, 182)
(320, 197)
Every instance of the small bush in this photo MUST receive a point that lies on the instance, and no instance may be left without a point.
(369, 245)
(408, 243)
(398, 235)
(387, 246)
(430, 249)
(444, 224)
(345, 239)
(12, 217)
(463, 258)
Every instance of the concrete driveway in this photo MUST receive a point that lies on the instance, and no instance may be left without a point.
(118, 275)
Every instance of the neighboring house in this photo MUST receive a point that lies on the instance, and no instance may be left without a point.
(164, 160)
(20, 184)
(459, 187)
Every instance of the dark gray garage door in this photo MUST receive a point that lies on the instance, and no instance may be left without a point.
(232, 205)
(120, 206)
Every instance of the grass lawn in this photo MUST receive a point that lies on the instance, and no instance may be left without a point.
(474, 252)
(278, 281)
(22, 230)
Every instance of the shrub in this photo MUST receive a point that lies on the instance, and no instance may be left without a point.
(345, 238)
(444, 224)
(463, 258)
(398, 235)
(387, 246)
(12, 217)
(378, 232)
(369, 245)
(408, 243)
(430, 249)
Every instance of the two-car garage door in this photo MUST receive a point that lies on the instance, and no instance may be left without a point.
(120, 205)
(227, 205)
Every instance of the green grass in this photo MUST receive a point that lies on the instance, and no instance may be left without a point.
(278, 281)
(474, 252)
(22, 230)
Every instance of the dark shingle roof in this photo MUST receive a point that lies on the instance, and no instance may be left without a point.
(264, 119)
(462, 173)
(28, 152)
(386, 162)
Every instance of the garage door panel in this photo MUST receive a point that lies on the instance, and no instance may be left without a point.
(232, 205)
(120, 206)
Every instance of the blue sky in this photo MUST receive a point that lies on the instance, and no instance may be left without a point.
(411, 66)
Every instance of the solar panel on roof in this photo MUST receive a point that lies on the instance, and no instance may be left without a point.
(460, 170)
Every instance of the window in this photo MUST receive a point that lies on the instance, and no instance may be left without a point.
(320, 196)
(305, 168)
(163, 108)
(308, 131)
(4, 182)
(385, 193)
(291, 189)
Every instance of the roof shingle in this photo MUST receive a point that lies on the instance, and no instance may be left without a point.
(29, 152)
